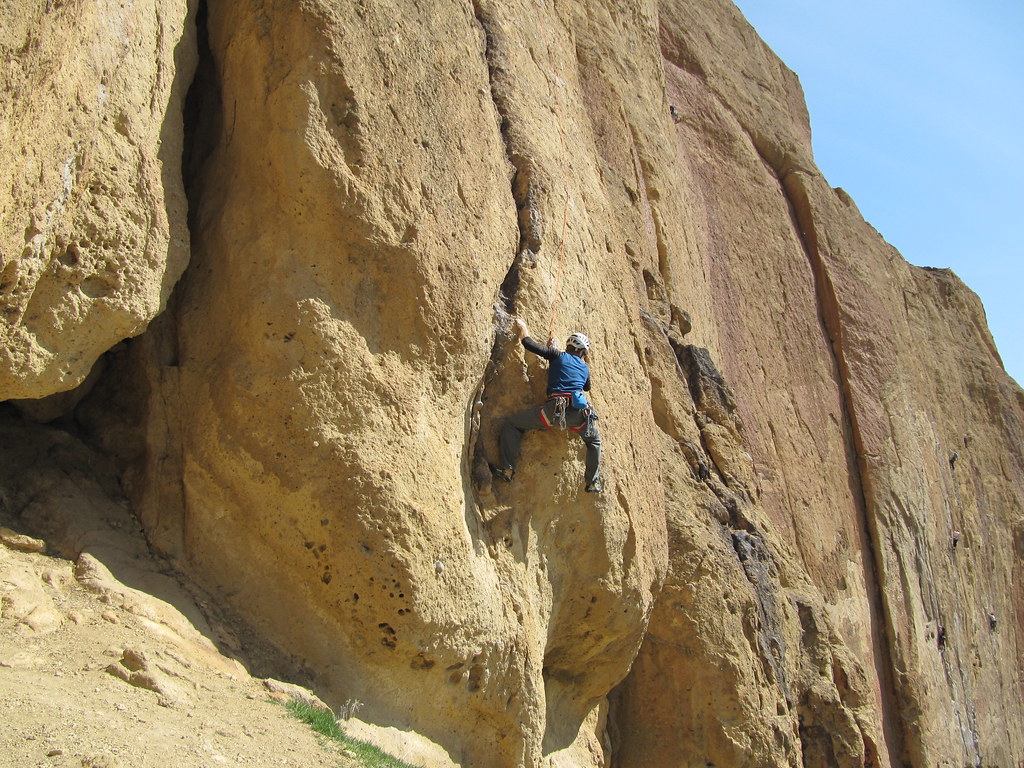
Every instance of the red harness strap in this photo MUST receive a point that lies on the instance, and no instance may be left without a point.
(565, 396)
(543, 418)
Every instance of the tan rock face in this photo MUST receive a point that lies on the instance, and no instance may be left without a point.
(361, 364)
(787, 567)
(93, 231)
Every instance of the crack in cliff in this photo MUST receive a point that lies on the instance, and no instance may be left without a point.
(693, 365)
(530, 220)
(714, 404)
(795, 193)
(762, 571)
(202, 117)
(530, 223)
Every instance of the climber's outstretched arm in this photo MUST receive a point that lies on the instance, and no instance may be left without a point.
(548, 353)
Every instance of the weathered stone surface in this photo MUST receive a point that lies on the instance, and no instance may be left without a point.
(292, 692)
(137, 669)
(20, 541)
(849, 360)
(373, 338)
(788, 567)
(93, 231)
(24, 600)
(413, 748)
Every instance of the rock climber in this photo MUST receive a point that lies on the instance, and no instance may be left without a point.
(566, 406)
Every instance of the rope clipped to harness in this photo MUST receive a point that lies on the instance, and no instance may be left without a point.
(560, 406)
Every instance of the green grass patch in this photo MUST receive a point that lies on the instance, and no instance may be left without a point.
(322, 721)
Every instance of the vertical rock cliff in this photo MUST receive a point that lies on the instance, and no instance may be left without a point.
(808, 548)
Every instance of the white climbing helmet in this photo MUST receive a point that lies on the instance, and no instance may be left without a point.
(578, 341)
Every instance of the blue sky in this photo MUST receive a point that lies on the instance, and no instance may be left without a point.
(917, 110)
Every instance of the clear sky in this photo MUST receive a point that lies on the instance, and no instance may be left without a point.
(917, 110)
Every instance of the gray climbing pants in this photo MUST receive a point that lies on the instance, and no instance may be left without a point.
(543, 417)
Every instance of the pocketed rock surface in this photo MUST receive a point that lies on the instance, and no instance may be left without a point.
(93, 230)
(808, 548)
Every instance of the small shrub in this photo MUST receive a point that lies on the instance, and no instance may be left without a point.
(322, 721)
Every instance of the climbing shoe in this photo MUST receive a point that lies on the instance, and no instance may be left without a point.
(505, 474)
(595, 486)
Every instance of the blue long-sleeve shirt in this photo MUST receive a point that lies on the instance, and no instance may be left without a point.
(566, 373)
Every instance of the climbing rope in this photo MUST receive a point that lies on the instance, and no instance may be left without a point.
(561, 259)
(553, 91)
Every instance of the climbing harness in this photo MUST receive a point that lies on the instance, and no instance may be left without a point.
(561, 401)
(560, 407)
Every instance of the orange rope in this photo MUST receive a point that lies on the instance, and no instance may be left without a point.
(561, 258)
(553, 88)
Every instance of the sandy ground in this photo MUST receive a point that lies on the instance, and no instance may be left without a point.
(94, 677)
